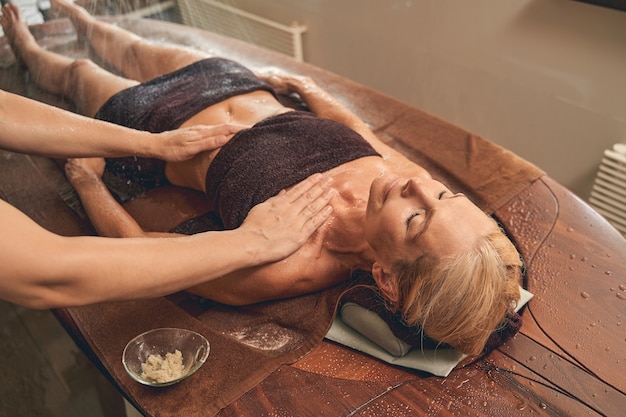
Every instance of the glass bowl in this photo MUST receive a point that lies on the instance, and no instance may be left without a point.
(159, 342)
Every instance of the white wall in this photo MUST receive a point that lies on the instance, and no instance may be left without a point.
(544, 78)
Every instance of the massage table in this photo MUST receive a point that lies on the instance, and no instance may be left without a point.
(569, 358)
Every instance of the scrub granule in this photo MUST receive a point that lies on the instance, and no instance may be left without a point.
(160, 370)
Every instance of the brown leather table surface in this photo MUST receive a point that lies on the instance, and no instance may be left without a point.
(568, 360)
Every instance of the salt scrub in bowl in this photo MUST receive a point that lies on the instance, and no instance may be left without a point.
(160, 370)
(165, 356)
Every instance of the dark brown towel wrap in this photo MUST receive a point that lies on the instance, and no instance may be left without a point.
(167, 101)
(274, 154)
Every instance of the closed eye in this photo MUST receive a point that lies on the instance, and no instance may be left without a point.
(415, 214)
(411, 217)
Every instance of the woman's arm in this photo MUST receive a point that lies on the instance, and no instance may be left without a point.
(107, 216)
(326, 106)
(39, 269)
(35, 128)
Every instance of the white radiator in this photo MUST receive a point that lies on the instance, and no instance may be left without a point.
(224, 19)
(608, 195)
(152, 9)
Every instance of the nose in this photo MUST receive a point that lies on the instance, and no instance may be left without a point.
(416, 188)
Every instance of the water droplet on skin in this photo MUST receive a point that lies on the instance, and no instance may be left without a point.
(572, 256)
(609, 273)
(622, 287)
(621, 296)
(593, 324)
(577, 345)
(570, 229)
(532, 358)
(543, 406)
(584, 294)
(521, 406)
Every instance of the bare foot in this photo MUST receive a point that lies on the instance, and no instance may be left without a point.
(81, 19)
(16, 30)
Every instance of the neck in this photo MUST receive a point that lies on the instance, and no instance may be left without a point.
(347, 235)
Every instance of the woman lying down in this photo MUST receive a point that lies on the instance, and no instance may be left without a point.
(436, 258)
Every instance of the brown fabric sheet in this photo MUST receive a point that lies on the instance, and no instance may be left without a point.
(247, 344)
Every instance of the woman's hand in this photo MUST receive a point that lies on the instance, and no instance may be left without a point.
(287, 220)
(284, 83)
(84, 170)
(185, 143)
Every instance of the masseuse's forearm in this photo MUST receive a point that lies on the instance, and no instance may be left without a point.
(39, 269)
(69, 271)
(98, 269)
(31, 127)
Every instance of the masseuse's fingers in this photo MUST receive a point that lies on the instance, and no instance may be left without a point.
(289, 219)
(185, 143)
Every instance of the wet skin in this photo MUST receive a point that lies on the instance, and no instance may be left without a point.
(407, 217)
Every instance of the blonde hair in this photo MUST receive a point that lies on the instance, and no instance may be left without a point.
(461, 300)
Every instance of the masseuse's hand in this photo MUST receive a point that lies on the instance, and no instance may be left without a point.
(185, 143)
(287, 220)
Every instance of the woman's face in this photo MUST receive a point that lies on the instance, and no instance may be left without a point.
(408, 217)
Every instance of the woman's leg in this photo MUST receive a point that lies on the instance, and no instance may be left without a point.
(80, 80)
(137, 58)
